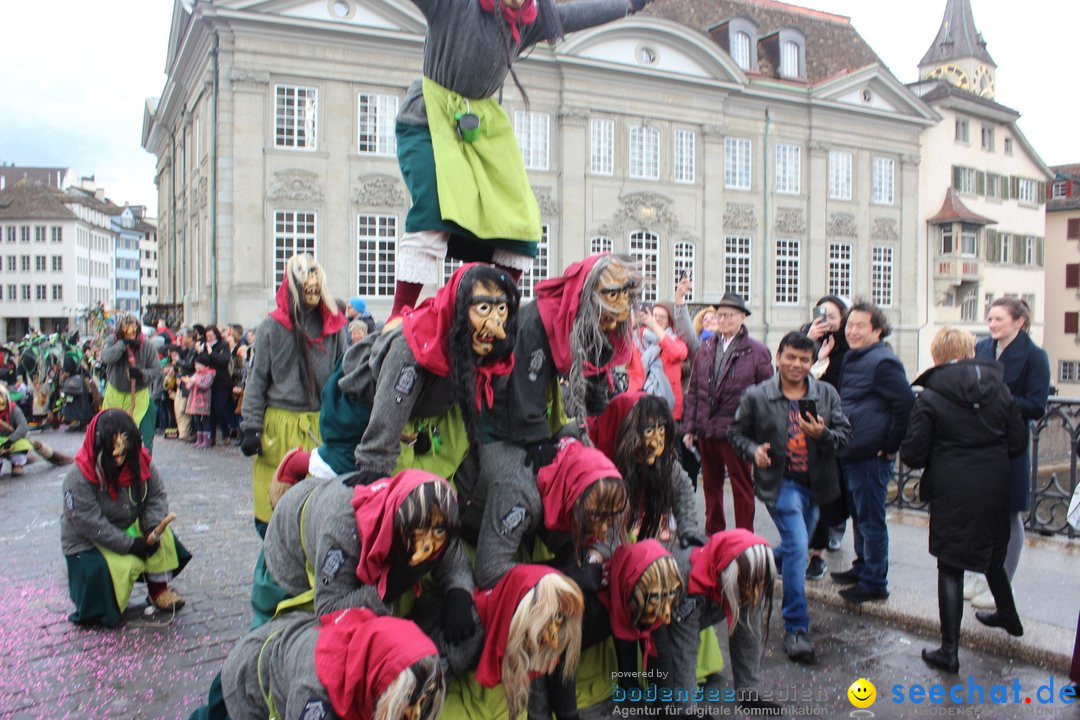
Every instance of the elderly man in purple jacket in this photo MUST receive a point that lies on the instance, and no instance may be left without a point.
(725, 365)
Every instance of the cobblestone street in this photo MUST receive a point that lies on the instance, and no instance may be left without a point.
(159, 666)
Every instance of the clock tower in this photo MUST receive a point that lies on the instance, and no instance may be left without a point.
(958, 53)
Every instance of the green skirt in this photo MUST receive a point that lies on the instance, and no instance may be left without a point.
(145, 411)
(101, 588)
(282, 430)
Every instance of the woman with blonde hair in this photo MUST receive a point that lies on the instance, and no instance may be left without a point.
(964, 429)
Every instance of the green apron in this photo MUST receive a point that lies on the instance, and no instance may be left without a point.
(126, 569)
(482, 185)
(144, 419)
(282, 431)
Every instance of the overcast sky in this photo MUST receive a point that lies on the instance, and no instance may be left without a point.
(75, 75)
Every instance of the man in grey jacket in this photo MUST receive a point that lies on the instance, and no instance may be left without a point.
(791, 427)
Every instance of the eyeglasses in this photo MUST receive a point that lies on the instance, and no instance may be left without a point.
(726, 315)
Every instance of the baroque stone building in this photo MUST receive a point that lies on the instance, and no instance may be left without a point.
(758, 146)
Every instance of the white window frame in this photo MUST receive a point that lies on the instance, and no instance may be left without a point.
(882, 275)
(685, 154)
(1005, 253)
(1068, 371)
(295, 231)
(986, 138)
(376, 256)
(533, 130)
(740, 50)
(884, 184)
(645, 248)
(789, 60)
(969, 307)
(738, 154)
(296, 110)
(600, 244)
(1008, 146)
(1027, 191)
(840, 277)
(840, 166)
(57, 292)
(684, 257)
(968, 181)
(602, 146)
(644, 152)
(1029, 250)
(788, 168)
(738, 265)
(787, 265)
(969, 240)
(961, 130)
(1059, 190)
(375, 114)
(539, 270)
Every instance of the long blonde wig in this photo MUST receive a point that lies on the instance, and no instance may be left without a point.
(525, 649)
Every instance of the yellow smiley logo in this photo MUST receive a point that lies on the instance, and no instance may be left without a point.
(862, 693)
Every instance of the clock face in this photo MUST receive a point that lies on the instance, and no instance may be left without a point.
(953, 74)
(982, 81)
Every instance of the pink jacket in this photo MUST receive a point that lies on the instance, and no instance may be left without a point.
(198, 402)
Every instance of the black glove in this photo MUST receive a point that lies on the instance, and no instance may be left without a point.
(142, 549)
(539, 454)
(637, 5)
(362, 477)
(588, 577)
(135, 373)
(422, 446)
(596, 396)
(250, 445)
(7, 445)
(130, 342)
(457, 616)
(692, 538)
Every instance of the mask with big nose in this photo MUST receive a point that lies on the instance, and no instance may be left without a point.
(655, 593)
(489, 309)
(312, 288)
(428, 541)
(615, 290)
(654, 440)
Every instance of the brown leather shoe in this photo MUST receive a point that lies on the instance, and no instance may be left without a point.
(168, 599)
(16, 470)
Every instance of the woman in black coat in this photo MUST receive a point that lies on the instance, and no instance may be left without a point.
(215, 352)
(963, 431)
(1027, 373)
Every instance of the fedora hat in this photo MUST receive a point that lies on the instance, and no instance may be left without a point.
(733, 300)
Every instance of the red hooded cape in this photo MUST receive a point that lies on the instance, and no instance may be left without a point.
(627, 564)
(558, 300)
(567, 477)
(86, 459)
(604, 428)
(375, 506)
(496, 608)
(359, 654)
(427, 331)
(706, 563)
(332, 321)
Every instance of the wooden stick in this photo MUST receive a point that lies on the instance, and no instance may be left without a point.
(152, 538)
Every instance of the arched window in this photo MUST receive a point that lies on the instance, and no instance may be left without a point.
(645, 247)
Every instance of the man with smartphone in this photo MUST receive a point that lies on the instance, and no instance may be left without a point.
(791, 426)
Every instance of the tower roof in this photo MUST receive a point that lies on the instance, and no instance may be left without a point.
(957, 37)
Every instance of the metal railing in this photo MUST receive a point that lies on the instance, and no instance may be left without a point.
(1055, 440)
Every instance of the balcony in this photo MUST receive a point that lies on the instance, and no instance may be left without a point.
(951, 271)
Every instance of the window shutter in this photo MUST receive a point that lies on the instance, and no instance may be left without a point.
(1072, 275)
(1039, 243)
(980, 182)
(1071, 319)
(1042, 192)
(956, 173)
(992, 246)
(1014, 187)
(1072, 231)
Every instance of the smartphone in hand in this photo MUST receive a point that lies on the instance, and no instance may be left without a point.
(808, 409)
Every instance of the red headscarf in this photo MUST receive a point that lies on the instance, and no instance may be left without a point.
(496, 608)
(375, 506)
(358, 654)
(87, 460)
(627, 564)
(427, 331)
(526, 15)
(706, 563)
(567, 477)
(332, 321)
(558, 300)
(604, 428)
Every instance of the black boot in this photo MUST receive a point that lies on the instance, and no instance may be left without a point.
(950, 609)
(1005, 616)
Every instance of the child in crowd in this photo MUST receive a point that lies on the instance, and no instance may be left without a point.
(198, 402)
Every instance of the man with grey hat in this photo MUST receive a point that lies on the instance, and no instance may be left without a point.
(727, 364)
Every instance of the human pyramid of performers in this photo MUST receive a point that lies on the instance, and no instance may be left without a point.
(460, 517)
